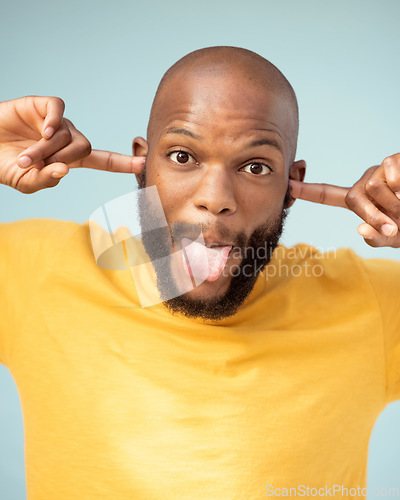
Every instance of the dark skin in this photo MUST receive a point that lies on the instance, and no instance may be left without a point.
(33, 129)
(375, 198)
(231, 174)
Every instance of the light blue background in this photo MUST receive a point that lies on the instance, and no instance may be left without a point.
(105, 60)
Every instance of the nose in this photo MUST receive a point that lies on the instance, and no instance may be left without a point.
(215, 191)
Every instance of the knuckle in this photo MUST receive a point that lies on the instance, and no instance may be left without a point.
(388, 160)
(372, 185)
(322, 194)
(59, 102)
(109, 163)
(369, 172)
(65, 133)
(374, 220)
(391, 162)
(350, 198)
(68, 123)
(86, 147)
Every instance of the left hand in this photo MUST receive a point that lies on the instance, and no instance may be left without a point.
(375, 198)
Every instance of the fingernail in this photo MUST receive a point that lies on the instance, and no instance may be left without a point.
(387, 229)
(49, 132)
(57, 175)
(25, 161)
(397, 193)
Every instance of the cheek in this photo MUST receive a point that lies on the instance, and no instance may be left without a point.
(262, 204)
(256, 204)
(172, 191)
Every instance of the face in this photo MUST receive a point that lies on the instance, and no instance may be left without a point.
(219, 154)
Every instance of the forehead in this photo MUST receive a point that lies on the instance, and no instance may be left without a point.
(223, 105)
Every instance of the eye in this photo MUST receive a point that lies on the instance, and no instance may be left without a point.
(181, 157)
(257, 168)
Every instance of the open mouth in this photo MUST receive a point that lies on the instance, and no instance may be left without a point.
(204, 262)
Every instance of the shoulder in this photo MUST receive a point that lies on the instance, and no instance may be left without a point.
(32, 241)
(39, 229)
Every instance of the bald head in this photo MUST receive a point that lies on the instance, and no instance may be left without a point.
(220, 150)
(249, 71)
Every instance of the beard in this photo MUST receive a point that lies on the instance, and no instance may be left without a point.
(256, 251)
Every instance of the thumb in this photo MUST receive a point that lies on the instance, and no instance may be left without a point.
(36, 179)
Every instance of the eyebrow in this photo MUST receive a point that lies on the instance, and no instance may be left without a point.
(267, 142)
(258, 142)
(182, 131)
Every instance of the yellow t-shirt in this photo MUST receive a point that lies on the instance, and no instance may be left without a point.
(123, 402)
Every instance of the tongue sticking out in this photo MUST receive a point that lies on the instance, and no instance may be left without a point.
(202, 262)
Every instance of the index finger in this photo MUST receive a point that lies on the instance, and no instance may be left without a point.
(112, 162)
(327, 194)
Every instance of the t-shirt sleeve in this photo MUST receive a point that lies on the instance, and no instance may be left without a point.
(27, 250)
(384, 276)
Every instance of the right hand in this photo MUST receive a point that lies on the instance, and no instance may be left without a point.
(33, 127)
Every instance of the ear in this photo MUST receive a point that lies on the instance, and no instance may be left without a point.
(297, 172)
(140, 147)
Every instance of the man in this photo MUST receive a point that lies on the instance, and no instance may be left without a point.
(245, 386)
